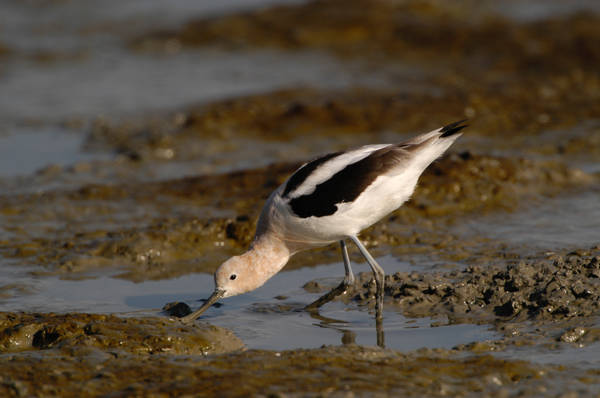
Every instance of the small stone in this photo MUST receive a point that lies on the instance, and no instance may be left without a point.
(572, 335)
(177, 309)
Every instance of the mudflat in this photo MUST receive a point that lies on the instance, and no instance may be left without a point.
(500, 240)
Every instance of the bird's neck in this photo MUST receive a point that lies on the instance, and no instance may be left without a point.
(268, 255)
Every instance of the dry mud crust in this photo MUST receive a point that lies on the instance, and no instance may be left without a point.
(328, 371)
(174, 239)
(63, 333)
(558, 288)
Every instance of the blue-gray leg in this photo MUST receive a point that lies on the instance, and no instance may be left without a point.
(342, 287)
(349, 278)
(378, 273)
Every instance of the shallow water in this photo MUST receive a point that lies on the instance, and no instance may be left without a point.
(559, 223)
(28, 150)
(71, 65)
(87, 23)
(534, 10)
(258, 318)
(114, 82)
(587, 357)
(264, 322)
(270, 317)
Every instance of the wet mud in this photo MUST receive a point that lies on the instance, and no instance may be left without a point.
(177, 191)
(515, 70)
(321, 372)
(391, 29)
(167, 245)
(111, 334)
(558, 289)
(354, 115)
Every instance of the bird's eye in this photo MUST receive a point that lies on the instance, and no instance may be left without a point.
(233, 276)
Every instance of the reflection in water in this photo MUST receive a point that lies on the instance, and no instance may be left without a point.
(379, 330)
(348, 336)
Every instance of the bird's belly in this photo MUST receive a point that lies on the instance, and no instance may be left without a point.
(348, 220)
(316, 231)
(383, 196)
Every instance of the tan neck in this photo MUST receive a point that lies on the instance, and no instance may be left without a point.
(268, 255)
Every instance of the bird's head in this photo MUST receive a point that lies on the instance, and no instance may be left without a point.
(239, 274)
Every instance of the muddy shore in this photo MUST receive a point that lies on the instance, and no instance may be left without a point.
(457, 186)
(535, 303)
(174, 192)
(320, 372)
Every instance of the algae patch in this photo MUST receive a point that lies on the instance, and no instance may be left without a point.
(140, 336)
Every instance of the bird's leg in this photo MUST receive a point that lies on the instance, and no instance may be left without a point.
(378, 273)
(349, 277)
(342, 287)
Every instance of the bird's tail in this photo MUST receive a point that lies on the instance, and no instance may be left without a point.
(427, 147)
(452, 128)
(443, 132)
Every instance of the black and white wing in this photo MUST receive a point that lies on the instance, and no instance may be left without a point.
(319, 186)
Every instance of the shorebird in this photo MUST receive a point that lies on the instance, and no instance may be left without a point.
(331, 199)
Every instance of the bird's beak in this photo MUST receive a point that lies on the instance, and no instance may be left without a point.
(217, 294)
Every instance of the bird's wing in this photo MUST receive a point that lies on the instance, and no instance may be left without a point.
(316, 188)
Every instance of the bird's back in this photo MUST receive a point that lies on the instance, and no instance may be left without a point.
(339, 194)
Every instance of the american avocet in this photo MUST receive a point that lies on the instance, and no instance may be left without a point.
(331, 199)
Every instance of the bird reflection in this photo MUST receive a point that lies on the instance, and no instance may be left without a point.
(348, 336)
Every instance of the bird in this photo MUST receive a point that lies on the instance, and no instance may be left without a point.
(331, 199)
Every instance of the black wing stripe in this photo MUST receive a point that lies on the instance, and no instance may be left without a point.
(347, 184)
(302, 173)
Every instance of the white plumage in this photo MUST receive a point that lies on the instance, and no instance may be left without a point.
(331, 167)
(331, 199)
